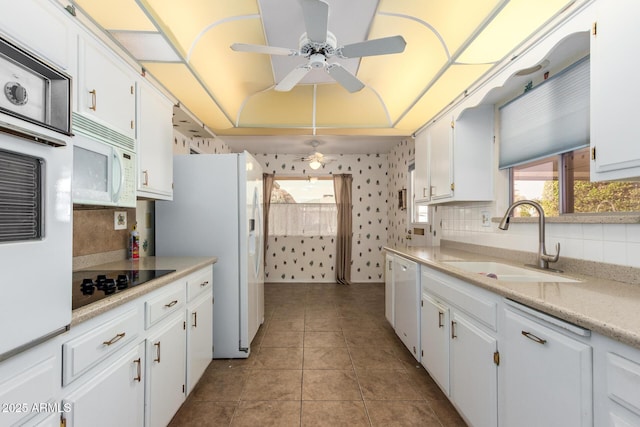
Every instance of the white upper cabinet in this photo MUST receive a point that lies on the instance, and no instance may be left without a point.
(421, 162)
(615, 139)
(42, 28)
(106, 88)
(461, 156)
(155, 134)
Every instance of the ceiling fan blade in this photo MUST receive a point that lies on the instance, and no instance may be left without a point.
(293, 78)
(269, 50)
(316, 19)
(344, 77)
(383, 46)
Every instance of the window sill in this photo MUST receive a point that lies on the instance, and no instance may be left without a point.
(584, 218)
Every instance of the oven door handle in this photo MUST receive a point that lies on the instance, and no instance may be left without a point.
(119, 178)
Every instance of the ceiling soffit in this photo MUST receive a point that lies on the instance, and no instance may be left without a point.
(450, 45)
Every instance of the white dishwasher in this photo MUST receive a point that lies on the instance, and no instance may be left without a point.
(406, 281)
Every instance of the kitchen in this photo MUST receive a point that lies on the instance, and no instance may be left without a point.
(604, 247)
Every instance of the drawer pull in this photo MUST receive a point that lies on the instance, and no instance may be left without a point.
(114, 339)
(453, 330)
(171, 304)
(157, 359)
(440, 319)
(203, 284)
(138, 377)
(534, 338)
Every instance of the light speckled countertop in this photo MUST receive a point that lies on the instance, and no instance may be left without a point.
(604, 306)
(182, 265)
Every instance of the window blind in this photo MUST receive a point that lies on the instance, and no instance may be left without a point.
(550, 119)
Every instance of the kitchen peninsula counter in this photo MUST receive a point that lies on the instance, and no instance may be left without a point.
(183, 266)
(604, 306)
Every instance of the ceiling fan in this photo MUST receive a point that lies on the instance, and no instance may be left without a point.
(318, 45)
(316, 159)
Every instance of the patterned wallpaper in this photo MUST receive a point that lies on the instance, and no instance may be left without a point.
(302, 259)
(182, 144)
(399, 159)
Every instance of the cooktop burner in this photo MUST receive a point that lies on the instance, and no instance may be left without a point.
(93, 285)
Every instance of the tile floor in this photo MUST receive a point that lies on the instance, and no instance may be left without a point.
(325, 356)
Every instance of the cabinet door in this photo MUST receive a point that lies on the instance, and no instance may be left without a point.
(113, 397)
(155, 147)
(614, 134)
(166, 367)
(440, 158)
(106, 88)
(474, 381)
(434, 340)
(199, 338)
(389, 290)
(407, 304)
(547, 376)
(421, 190)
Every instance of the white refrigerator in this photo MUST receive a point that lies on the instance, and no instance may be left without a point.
(217, 211)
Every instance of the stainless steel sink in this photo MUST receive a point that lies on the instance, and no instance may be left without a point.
(507, 273)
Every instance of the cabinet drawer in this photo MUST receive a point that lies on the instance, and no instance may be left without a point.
(199, 282)
(168, 301)
(473, 303)
(623, 382)
(85, 351)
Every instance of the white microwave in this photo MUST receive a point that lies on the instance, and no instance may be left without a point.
(103, 174)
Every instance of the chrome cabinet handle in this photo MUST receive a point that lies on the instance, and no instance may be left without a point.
(171, 304)
(94, 100)
(146, 177)
(534, 338)
(138, 377)
(195, 319)
(115, 339)
(203, 284)
(157, 359)
(453, 330)
(440, 319)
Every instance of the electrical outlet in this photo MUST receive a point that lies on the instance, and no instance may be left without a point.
(486, 219)
(120, 220)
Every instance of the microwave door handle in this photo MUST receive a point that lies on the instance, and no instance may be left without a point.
(117, 165)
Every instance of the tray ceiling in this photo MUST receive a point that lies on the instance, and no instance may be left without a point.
(185, 46)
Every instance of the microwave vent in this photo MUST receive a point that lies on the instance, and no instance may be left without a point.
(88, 127)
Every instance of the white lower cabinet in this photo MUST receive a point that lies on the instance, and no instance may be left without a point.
(199, 338)
(406, 281)
(389, 290)
(547, 374)
(166, 367)
(434, 331)
(114, 396)
(473, 372)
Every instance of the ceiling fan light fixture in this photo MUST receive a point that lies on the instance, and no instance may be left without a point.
(315, 164)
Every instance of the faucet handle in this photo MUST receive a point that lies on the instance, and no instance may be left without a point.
(552, 258)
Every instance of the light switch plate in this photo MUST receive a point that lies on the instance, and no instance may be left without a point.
(120, 220)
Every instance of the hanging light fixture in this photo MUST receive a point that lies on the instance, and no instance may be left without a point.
(314, 164)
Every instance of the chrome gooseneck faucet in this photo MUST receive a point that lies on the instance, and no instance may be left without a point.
(543, 258)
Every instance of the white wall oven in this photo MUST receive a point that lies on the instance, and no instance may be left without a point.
(35, 201)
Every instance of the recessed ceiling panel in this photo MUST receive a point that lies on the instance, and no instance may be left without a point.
(401, 77)
(230, 76)
(123, 15)
(508, 29)
(335, 107)
(452, 84)
(178, 80)
(279, 109)
(185, 21)
(453, 20)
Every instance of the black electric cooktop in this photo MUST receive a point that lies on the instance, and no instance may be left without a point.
(93, 285)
